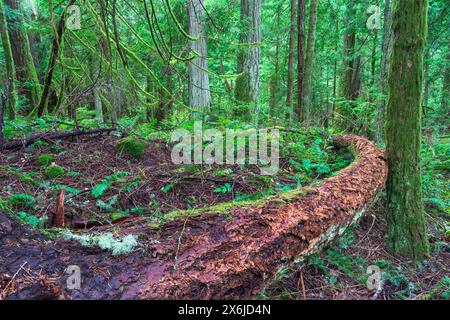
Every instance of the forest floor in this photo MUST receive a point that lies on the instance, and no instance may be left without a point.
(340, 271)
(104, 188)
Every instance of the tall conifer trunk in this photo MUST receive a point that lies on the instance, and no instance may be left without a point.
(309, 64)
(199, 92)
(407, 234)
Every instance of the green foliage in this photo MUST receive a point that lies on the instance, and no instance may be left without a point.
(99, 189)
(22, 200)
(225, 188)
(54, 171)
(45, 159)
(131, 146)
(32, 220)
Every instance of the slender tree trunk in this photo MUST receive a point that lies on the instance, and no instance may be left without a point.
(274, 79)
(247, 84)
(10, 68)
(446, 85)
(300, 58)
(407, 233)
(57, 42)
(23, 60)
(373, 61)
(350, 78)
(349, 56)
(384, 67)
(309, 64)
(335, 72)
(199, 92)
(98, 107)
(290, 77)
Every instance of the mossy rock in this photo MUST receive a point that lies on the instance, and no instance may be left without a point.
(131, 146)
(45, 159)
(54, 171)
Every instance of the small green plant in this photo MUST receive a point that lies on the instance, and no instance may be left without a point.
(45, 159)
(54, 171)
(131, 146)
(30, 219)
(22, 200)
(225, 188)
(100, 188)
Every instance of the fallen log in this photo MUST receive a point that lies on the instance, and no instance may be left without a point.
(214, 255)
(51, 136)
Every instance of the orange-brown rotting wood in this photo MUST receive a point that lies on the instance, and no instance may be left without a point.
(216, 256)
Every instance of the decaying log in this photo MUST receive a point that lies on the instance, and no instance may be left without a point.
(51, 136)
(217, 256)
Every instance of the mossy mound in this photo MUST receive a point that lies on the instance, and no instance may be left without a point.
(54, 171)
(131, 146)
(45, 159)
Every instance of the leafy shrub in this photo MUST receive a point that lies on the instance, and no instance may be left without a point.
(131, 146)
(54, 171)
(45, 159)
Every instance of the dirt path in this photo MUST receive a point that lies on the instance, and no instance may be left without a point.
(210, 256)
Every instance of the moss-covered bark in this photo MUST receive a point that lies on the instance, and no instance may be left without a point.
(25, 69)
(407, 234)
(9, 62)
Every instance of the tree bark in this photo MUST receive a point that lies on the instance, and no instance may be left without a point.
(386, 48)
(247, 84)
(199, 91)
(309, 64)
(300, 58)
(290, 77)
(446, 85)
(23, 60)
(10, 68)
(407, 233)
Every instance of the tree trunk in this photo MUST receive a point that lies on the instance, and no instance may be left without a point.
(309, 64)
(199, 92)
(446, 86)
(407, 233)
(57, 41)
(247, 84)
(387, 48)
(10, 68)
(300, 58)
(23, 60)
(290, 77)
(98, 107)
(274, 79)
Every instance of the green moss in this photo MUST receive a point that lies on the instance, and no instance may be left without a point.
(54, 171)
(225, 207)
(118, 215)
(45, 159)
(131, 146)
(7, 171)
